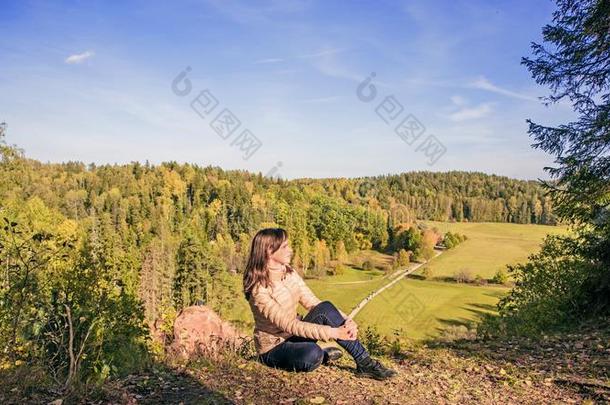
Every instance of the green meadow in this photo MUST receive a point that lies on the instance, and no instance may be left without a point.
(489, 248)
(422, 309)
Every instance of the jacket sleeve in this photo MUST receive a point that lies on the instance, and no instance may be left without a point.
(281, 318)
(307, 298)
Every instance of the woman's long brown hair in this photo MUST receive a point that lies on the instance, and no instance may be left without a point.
(256, 268)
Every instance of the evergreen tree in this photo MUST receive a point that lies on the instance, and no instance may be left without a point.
(569, 280)
(575, 64)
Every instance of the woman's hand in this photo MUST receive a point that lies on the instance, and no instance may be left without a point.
(347, 331)
(351, 323)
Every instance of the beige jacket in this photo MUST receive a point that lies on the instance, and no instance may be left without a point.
(275, 311)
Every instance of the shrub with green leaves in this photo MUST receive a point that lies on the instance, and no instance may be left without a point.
(500, 277)
(68, 298)
(367, 265)
(557, 287)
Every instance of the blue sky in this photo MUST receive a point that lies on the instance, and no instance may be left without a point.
(91, 81)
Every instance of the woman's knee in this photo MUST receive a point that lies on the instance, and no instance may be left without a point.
(326, 306)
(325, 313)
(311, 360)
(331, 312)
(297, 356)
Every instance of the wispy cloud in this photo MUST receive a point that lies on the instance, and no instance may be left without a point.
(326, 62)
(458, 100)
(243, 12)
(79, 57)
(464, 112)
(323, 52)
(321, 100)
(484, 84)
(471, 113)
(268, 60)
(329, 67)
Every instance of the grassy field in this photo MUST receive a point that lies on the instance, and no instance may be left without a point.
(347, 296)
(490, 247)
(344, 296)
(352, 274)
(424, 308)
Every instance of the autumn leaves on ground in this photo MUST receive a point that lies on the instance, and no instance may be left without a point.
(563, 369)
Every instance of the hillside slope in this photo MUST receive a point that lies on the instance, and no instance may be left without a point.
(563, 368)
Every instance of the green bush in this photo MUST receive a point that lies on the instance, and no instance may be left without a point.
(372, 340)
(558, 288)
(336, 269)
(428, 272)
(501, 277)
(367, 265)
(376, 344)
(479, 280)
(450, 240)
(404, 257)
(76, 314)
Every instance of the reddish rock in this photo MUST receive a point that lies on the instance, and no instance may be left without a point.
(198, 330)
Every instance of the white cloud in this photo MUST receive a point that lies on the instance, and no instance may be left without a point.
(325, 62)
(461, 111)
(79, 57)
(458, 100)
(484, 84)
(471, 113)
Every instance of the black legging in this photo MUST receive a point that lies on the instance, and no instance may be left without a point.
(303, 354)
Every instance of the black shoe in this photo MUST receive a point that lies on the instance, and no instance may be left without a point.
(372, 368)
(331, 354)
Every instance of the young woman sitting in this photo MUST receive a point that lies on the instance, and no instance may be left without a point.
(283, 340)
